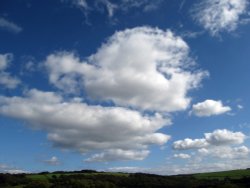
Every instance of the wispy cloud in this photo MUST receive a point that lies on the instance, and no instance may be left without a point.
(10, 169)
(52, 161)
(112, 7)
(217, 16)
(9, 26)
(6, 79)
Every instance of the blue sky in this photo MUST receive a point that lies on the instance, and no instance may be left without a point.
(124, 85)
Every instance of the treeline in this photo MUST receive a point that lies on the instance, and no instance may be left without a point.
(102, 180)
(71, 172)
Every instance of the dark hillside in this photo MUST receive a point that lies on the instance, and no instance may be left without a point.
(94, 179)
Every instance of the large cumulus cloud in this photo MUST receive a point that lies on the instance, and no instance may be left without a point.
(143, 67)
(144, 72)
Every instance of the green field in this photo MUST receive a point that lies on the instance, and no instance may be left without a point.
(86, 178)
(47, 176)
(234, 174)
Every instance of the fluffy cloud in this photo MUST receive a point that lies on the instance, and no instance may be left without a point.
(118, 154)
(78, 126)
(52, 161)
(220, 15)
(144, 67)
(182, 156)
(225, 152)
(5, 78)
(189, 144)
(145, 72)
(9, 26)
(224, 137)
(216, 138)
(209, 108)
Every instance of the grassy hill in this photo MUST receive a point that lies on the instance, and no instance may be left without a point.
(234, 174)
(94, 179)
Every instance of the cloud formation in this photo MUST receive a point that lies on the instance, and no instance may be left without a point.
(146, 68)
(182, 156)
(9, 26)
(118, 154)
(218, 137)
(224, 137)
(10, 169)
(142, 74)
(209, 108)
(218, 16)
(6, 79)
(112, 7)
(225, 152)
(78, 126)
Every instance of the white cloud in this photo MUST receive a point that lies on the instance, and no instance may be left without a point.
(224, 137)
(5, 78)
(209, 108)
(218, 137)
(81, 4)
(146, 73)
(127, 169)
(10, 26)
(77, 126)
(217, 16)
(144, 67)
(145, 5)
(118, 154)
(52, 161)
(10, 169)
(182, 156)
(225, 152)
(188, 168)
(189, 144)
(112, 7)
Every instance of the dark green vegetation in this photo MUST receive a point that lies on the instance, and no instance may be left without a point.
(93, 179)
(233, 174)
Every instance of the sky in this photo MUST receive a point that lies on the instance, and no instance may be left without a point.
(155, 86)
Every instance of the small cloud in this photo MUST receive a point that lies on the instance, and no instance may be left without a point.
(191, 34)
(209, 108)
(127, 169)
(240, 107)
(9, 26)
(118, 155)
(224, 137)
(81, 4)
(189, 144)
(6, 79)
(52, 161)
(121, 5)
(182, 156)
(111, 7)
